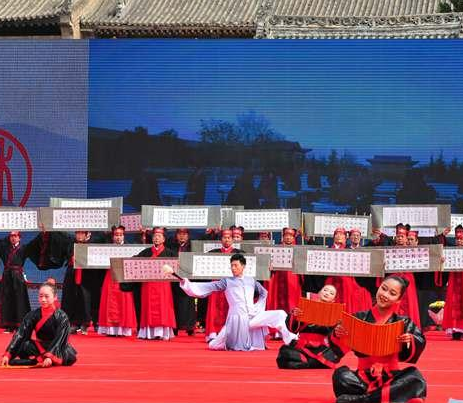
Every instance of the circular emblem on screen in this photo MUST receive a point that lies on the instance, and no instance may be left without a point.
(12, 149)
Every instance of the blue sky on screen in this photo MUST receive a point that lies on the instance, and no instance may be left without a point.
(367, 97)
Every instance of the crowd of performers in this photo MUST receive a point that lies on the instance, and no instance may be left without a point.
(230, 318)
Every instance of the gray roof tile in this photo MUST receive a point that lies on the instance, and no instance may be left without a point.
(26, 10)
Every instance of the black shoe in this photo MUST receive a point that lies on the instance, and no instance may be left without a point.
(456, 335)
(190, 332)
(18, 362)
(351, 399)
(73, 330)
(175, 332)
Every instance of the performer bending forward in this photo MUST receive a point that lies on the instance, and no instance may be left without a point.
(246, 325)
(42, 336)
(379, 379)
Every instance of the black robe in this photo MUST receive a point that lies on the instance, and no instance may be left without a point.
(79, 301)
(391, 383)
(184, 306)
(50, 340)
(312, 350)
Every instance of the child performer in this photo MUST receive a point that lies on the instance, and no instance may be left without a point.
(43, 335)
(313, 349)
(379, 379)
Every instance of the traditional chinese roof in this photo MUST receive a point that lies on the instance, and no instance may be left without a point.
(173, 18)
(357, 19)
(30, 11)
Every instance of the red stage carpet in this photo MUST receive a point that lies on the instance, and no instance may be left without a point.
(115, 370)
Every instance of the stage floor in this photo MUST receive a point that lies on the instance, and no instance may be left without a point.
(116, 370)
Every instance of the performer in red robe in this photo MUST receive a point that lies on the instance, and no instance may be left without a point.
(453, 310)
(157, 316)
(217, 305)
(117, 309)
(349, 292)
(284, 288)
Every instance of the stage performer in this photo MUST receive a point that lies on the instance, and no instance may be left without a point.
(185, 315)
(349, 292)
(379, 379)
(157, 317)
(217, 306)
(42, 337)
(237, 233)
(285, 287)
(247, 322)
(14, 299)
(453, 310)
(313, 348)
(117, 308)
(409, 303)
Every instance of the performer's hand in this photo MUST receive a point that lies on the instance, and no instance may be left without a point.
(47, 362)
(167, 269)
(42, 227)
(340, 331)
(446, 231)
(5, 361)
(296, 311)
(405, 338)
(376, 231)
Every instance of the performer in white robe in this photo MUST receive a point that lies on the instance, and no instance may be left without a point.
(247, 322)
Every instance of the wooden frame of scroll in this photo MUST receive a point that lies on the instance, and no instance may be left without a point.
(83, 254)
(19, 219)
(346, 221)
(370, 338)
(210, 220)
(47, 215)
(292, 220)
(341, 265)
(143, 269)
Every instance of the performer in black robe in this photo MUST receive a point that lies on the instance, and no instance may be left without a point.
(313, 349)
(14, 299)
(43, 335)
(184, 306)
(379, 379)
(81, 288)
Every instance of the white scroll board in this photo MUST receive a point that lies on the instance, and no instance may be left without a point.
(131, 222)
(422, 231)
(216, 266)
(19, 219)
(455, 220)
(117, 202)
(421, 215)
(79, 219)
(97, 256)
(453, 259)
(413, 258)
(281, 257)
(180, 217)
(316, 224)
(138, 269)
(363, 262)
(267, 220)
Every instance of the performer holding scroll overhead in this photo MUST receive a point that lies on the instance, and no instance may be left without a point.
(117, 309)
(217, 306)
(157, 317)
(378, 378)
(247, 322)
(355, 297)
(313, 349)
(285, 286)
(185, 315)
(42, 337)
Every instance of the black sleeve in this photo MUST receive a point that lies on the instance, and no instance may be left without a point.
(22, 334)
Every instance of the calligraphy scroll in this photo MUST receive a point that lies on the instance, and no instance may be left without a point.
(364, 262)
(455, 220)
(420, 215)
(207, 246)
(181, 216)
(216, 266)
(19, 219)
(422, 231)
(117, 202)
(453, 259)
(413, 258)
(139, 269)
(281, 257)
(131, 222)
(79, 219)
(267, 220)
(316, 224)
(97, 256)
